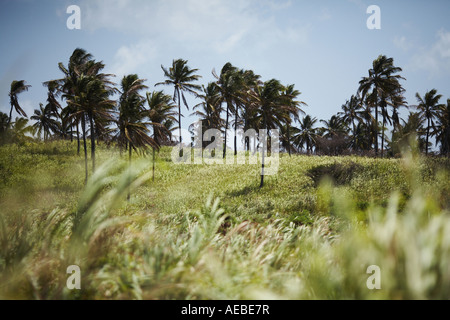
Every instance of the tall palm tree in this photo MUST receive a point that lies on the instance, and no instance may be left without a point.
(271, 111)
(132, 132)
(243, 81)
(181, 77)
(130, 107)
(67, 86)
(382, 80)
(160, 112)
(294, 110)
(93, 105)
(248, 108)
(395, 100)
(428, 110)
(87, 92)
(209, 110)
(229, 83)
(44, 122)
(17, 87)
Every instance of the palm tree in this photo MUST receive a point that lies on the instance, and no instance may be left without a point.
(132, 132)
(67, 86)
(333, 127)
(351, 114)
(382, 80)
(334, 135)
(131, 103)
(428, 110)
(87, 93)
(52, 94)
(397, 101)
(92, 103)
(307, 134)
(244, 81)
(370, 126)
(160, 113)
(386, 119)
(229, 83)
(210, 109)
(17, 87)
(248, 108)
(181, 77)
(294, 110)
(44, 122)
(271, 110)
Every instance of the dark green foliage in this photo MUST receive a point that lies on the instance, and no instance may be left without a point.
(340, 173)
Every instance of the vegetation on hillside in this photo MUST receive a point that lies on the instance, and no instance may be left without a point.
(140, 226)
(209, 232)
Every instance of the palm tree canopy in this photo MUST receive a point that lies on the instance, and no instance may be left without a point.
(161, 114)
(181, 77)
(382, 76)
(429, 105)
(17, 87)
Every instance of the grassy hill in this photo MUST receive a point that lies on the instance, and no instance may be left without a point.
(209, 232)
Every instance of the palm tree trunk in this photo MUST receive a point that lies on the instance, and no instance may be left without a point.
(226, 129)
(264, 144)
(235, 130)
(10, 116)
(91, 120)
(78, 140)
(289, 139)
(382, 137)
(428, 134)
(179, 123)
(153, 176)
(376, 121)
(83, 128)
(129, 168)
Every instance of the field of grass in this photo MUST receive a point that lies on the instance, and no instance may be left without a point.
(209, 232)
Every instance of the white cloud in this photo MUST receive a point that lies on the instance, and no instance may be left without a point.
(435, 58)
(131, 59)
(214, 24)
(402, 43)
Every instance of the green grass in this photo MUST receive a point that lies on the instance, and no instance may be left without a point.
(209, 232)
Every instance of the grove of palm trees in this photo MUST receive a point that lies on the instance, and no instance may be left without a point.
(88, 180)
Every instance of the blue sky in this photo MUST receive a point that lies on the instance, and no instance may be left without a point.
(323, 47)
